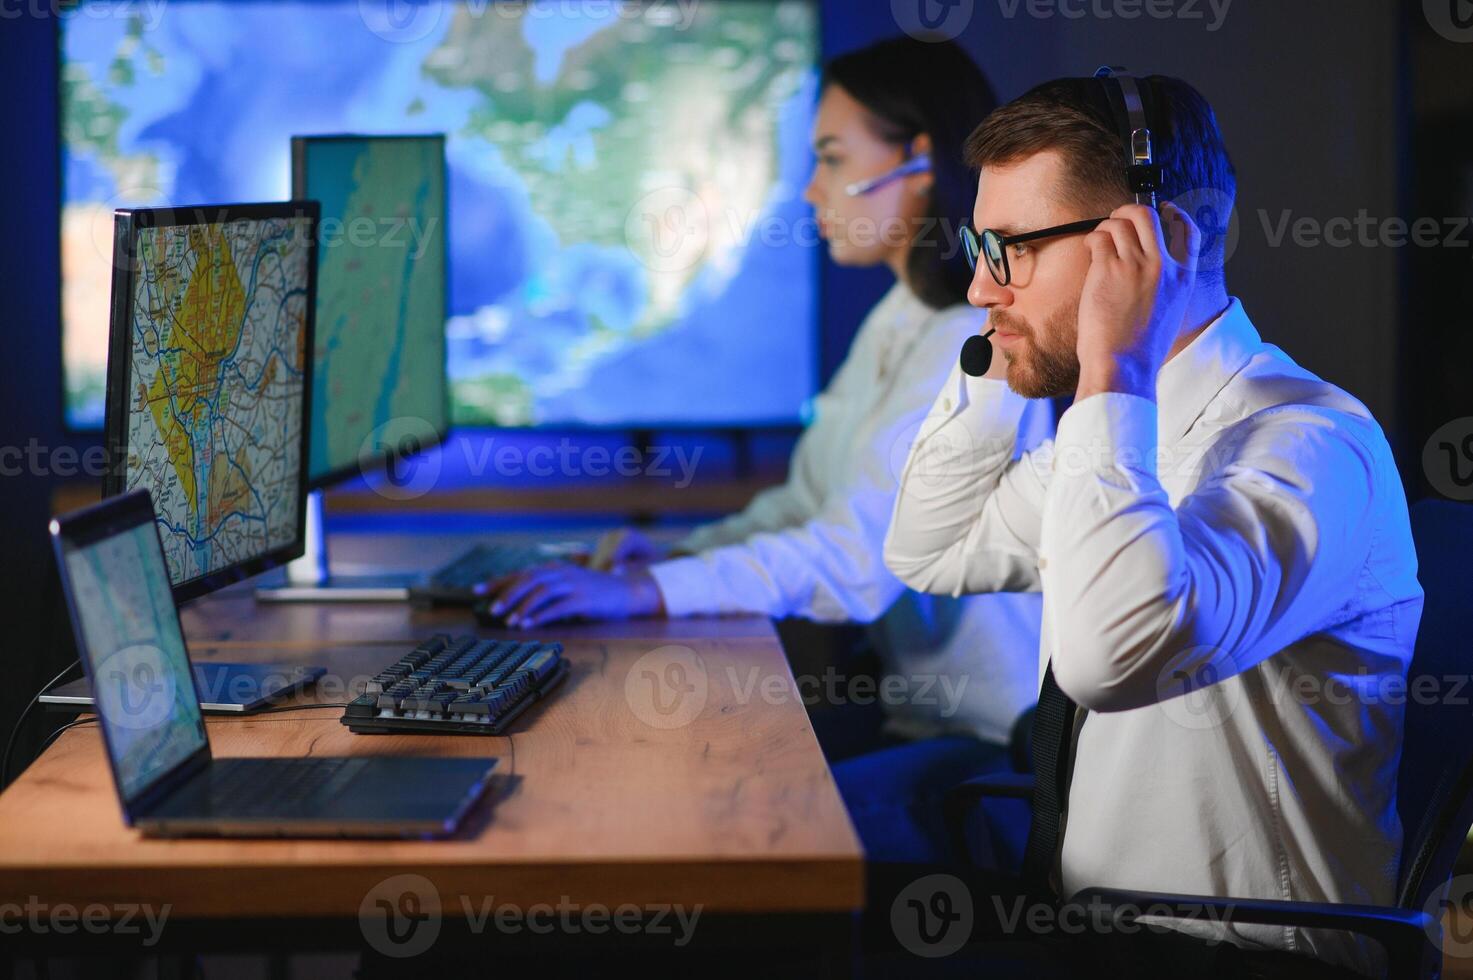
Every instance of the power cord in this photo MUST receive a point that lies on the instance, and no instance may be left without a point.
(15, 731)
(46, 744)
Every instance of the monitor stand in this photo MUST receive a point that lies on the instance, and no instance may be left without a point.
(308, 578)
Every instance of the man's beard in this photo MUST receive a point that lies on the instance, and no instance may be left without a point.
(1042, 363)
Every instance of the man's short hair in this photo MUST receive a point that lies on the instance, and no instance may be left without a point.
(1070, 116)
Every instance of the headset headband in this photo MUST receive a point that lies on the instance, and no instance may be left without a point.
(1128, 102)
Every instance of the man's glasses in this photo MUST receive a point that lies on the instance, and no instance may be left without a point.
(993, 248)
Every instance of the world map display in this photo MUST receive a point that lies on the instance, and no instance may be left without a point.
(627, 230)
(216, 386)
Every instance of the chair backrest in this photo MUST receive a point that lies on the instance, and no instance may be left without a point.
(1435, 779)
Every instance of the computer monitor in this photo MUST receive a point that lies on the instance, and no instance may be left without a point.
(379, 392)
(630, 247)
(209, 381)
(378, 363)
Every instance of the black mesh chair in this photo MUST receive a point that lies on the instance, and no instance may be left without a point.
(1435, 778)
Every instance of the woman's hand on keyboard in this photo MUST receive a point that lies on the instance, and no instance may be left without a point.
(552, 593)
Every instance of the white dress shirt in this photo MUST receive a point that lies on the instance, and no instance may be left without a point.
(1243, 539)
(812, 546)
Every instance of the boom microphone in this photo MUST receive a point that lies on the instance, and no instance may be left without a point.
(977, 354)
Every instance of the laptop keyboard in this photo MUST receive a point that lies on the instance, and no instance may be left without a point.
(457, 686)
(264, 790)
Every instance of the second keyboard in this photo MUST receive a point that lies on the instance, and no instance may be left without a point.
(457, 685)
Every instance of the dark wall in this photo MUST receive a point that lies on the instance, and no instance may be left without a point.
(1305, 93)
(30, 369)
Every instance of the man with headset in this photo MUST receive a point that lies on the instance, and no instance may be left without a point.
(1221, 537)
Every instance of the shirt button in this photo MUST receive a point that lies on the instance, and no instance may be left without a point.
(946, 404)
(1042, 563)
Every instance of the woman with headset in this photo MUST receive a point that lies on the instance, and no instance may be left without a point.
(889, 189)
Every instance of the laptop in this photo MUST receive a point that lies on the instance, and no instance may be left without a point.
(118, 597)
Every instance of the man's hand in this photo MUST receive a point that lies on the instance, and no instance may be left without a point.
(1135, 297)
(550, 593)
(624, 547)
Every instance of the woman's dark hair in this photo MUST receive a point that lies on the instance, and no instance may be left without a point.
(911, 87)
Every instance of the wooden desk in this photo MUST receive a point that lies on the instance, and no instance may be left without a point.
(735, 811)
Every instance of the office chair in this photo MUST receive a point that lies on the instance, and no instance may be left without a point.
(1434, 779)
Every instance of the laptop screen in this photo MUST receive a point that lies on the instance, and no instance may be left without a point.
(128, 632)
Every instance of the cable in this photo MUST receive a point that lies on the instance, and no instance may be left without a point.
(46, 744)
(14, 732)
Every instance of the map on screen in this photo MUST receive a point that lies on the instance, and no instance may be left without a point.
(217, 375)
(379, 337)
(135, 655)
(628, 240)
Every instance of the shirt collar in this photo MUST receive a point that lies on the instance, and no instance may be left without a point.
(1189, 381)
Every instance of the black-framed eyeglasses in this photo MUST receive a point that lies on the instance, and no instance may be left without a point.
(993, 248)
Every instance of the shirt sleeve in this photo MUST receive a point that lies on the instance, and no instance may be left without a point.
(1144, 600)
(828, 567)
(771, 510)
(969, 508)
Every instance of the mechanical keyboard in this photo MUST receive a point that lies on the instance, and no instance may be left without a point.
(457, 686)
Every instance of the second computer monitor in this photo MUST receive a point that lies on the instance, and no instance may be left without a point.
(209, 381)
(379, 388)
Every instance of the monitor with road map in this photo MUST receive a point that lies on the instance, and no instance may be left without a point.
(210, 379)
